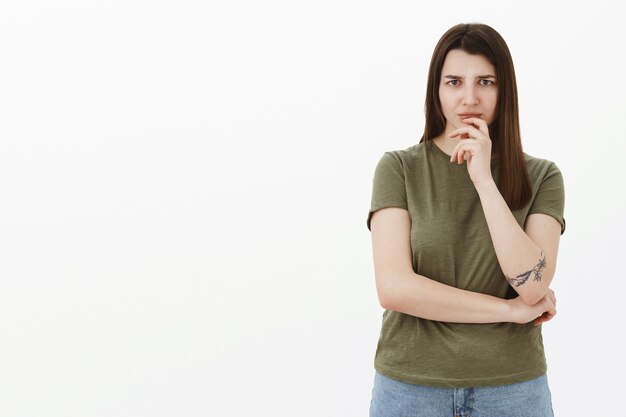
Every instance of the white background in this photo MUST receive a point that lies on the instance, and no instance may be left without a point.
(184, 188)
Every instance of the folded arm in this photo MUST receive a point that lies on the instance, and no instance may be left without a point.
(526, 256)
(401, 289)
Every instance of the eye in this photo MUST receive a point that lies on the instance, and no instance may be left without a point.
(489, 82)
(453, 81)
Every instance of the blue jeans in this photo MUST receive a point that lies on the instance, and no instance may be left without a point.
(392, 398)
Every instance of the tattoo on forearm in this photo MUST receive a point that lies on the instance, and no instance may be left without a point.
(537, 270)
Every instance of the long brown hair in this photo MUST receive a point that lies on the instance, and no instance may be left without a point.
(476, 38)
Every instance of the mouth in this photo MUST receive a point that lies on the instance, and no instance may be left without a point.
(466, 115)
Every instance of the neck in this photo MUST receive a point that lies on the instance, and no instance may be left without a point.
(446, 143)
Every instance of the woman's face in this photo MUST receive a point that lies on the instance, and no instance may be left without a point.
(468, 85)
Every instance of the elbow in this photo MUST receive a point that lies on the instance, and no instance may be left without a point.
(385, 303)
(385, 300)
(387, 292)
(393, 288)
(533, 295)
(534, 291)
(391, 303)
(531, 298)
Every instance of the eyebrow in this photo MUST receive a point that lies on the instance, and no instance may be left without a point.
(459, 77)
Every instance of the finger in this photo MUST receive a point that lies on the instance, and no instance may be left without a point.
(537, 322)
(454, 151)
(549, 306)
(546, 318)
(478, 122)
(471, 131)
(464, 150)
(469, 142)
(466, 144)
(464, 154)
(543, 318)
(540, 319)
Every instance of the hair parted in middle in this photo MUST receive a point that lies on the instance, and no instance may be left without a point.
(481, 39)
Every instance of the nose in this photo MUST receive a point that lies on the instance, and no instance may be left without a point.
(470, 97)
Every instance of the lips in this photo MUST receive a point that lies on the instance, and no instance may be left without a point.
(466, 115)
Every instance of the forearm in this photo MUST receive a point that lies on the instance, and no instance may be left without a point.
(521, 260)
(423, 297)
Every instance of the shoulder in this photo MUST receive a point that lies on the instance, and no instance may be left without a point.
(539, 168)
(548, 189)
(404, 159)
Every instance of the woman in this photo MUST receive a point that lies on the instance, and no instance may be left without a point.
(465, 233)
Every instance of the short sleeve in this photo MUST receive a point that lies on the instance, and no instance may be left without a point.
(550, 198)
(388, 188)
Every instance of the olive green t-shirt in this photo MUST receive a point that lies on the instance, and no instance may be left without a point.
(451, 244)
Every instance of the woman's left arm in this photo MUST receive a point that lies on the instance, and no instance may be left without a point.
(526, 256)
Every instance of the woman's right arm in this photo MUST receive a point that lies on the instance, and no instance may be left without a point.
(401, 289)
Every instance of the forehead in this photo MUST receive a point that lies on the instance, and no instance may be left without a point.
(459, 62)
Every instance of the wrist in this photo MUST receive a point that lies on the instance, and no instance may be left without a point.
(486, 185)
(509, 311)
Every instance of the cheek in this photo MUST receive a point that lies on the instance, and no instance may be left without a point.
(494, 99)
(490, 104)
(446, 100)
(494, 110)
